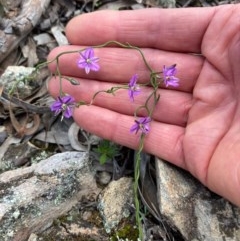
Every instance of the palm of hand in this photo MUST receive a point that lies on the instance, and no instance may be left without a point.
(212, 139)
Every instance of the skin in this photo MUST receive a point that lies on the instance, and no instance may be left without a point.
(195, 126)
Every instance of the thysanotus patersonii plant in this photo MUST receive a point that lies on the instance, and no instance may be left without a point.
(64, 104)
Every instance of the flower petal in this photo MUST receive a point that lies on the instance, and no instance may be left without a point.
(88, 53)
(133, 80)
(67, 99)
(87, 69)
(68, 112)
(134, 128)
(56, 105)
(94, 66)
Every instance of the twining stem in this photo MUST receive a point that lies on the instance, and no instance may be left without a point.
(138, 156)
(60, 77)
(112, 90)
(127, 46)
(135, 186)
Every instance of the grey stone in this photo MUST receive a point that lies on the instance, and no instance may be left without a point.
(104, 177)
(3, 134)
(17, 155)
(33, 237)
(115, 202)
(61, 163)
(32, 197)
(192, 209)
(3, 150)
(17, 79)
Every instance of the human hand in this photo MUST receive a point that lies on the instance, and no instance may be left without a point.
(195, 126)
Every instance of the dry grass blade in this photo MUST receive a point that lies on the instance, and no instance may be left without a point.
(148, 188)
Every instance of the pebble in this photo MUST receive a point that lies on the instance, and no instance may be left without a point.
(104, 178)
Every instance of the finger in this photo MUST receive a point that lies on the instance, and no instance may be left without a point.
(172, 108)
(222, 39)
(163, 140)
(176, 29)
(118, 65)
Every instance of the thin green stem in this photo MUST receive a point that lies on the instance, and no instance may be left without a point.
(142, 107)
(135, 186)
(112, 91)
(58, 73)
(127, 46)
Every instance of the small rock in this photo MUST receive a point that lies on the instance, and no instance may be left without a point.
(4, 148)
(104, 178)
(86, 215)
(45, 24)
(17, 80)
(16, 214)
(17, 155)
(3, 134)
(33, 237)
(115, 202)
(192, 209)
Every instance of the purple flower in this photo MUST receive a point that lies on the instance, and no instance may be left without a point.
(88, 61)
(63, 104)
(141, 124)
(169, 76)
(133, 88)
